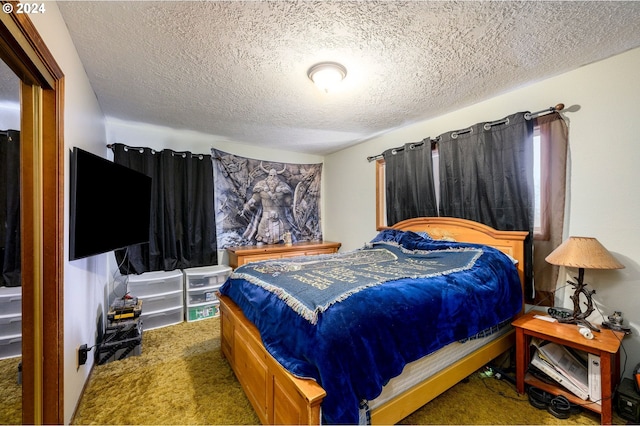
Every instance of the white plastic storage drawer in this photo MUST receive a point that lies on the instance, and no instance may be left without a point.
(153, 283)
(10, 300)
(162, 318)
(10, 347)
(10, 325)
(206, 276)
(202, 295)
(162, 302)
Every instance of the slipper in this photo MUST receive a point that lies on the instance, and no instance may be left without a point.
(539, 398)
(560, 407)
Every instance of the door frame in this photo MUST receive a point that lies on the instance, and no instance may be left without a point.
(42, 216)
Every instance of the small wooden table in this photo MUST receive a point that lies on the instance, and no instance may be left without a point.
(605, 344)
(240, 255)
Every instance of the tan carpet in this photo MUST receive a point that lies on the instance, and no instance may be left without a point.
(10, 392)
(181, 378)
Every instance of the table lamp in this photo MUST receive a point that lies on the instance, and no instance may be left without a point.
(582, 253)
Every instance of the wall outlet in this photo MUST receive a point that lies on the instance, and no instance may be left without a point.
(82, 355)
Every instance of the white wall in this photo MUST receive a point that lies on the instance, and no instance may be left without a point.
(604, 173)
(159, 137)
(84, 280)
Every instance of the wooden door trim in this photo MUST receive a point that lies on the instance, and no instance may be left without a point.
(42, 216)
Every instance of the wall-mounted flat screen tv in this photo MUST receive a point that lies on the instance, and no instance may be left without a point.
(109, 205)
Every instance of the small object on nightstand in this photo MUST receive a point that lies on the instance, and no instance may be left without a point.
(615, 323)
(545, 318)
(586, 333)
(560, 313)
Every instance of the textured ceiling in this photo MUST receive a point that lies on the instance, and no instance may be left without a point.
(9, 85)
(238, 69)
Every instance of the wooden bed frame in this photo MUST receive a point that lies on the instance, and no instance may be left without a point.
(280, 398)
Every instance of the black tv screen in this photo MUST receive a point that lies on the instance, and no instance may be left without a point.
(109, 205)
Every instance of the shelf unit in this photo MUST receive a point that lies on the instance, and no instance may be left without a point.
(200, 291)
(605, 344)
(162, 295)
(10, 322)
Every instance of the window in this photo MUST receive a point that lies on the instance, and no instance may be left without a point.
(540, 184)
(540, 163)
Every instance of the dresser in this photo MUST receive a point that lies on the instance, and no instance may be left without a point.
(238, 256)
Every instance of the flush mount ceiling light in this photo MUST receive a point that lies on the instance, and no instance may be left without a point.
(327, 75)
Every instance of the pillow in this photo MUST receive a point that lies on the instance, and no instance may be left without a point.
(424, 235)
(388, 235)
(404, 238)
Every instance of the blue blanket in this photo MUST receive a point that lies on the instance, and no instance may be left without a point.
(390, 303)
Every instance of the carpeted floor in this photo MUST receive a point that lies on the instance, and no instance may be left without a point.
(10, 392)
(181, 378)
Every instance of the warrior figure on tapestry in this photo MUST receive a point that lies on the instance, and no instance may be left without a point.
(259, 202)
(271, 199)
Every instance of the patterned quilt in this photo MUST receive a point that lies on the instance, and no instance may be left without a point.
(353, 320)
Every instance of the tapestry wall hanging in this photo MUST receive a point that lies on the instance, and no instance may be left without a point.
(265, 202)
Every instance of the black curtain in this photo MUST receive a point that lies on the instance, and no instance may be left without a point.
(410, 189)
(486, 175)
(182, 231)
(10, 208)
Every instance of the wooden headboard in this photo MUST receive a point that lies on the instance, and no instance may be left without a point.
(463, 230)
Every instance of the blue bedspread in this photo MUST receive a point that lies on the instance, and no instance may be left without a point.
(353, 324)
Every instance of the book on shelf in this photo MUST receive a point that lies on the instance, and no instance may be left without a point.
(566, 363)
(595, 383)
(548, 369)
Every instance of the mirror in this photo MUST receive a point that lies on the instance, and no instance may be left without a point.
(10, 289)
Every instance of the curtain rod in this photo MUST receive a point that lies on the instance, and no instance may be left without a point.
(527, 116)
(141, 149)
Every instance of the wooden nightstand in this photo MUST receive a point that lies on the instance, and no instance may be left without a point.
(605, 344)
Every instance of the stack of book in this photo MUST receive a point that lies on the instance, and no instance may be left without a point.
(568, 368)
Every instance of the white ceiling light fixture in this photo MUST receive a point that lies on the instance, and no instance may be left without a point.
(327, 75)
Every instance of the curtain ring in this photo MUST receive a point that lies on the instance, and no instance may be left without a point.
(184, 155)
(412, 146)
(141, 150)
(487, 126)
(126, 148)
(153, 151)
(394, 151)
(200, 157)
(454, 135)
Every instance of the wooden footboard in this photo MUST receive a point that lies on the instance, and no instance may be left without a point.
(280, 398)
(277, 396)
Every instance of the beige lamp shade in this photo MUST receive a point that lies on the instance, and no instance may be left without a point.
(583, 252)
